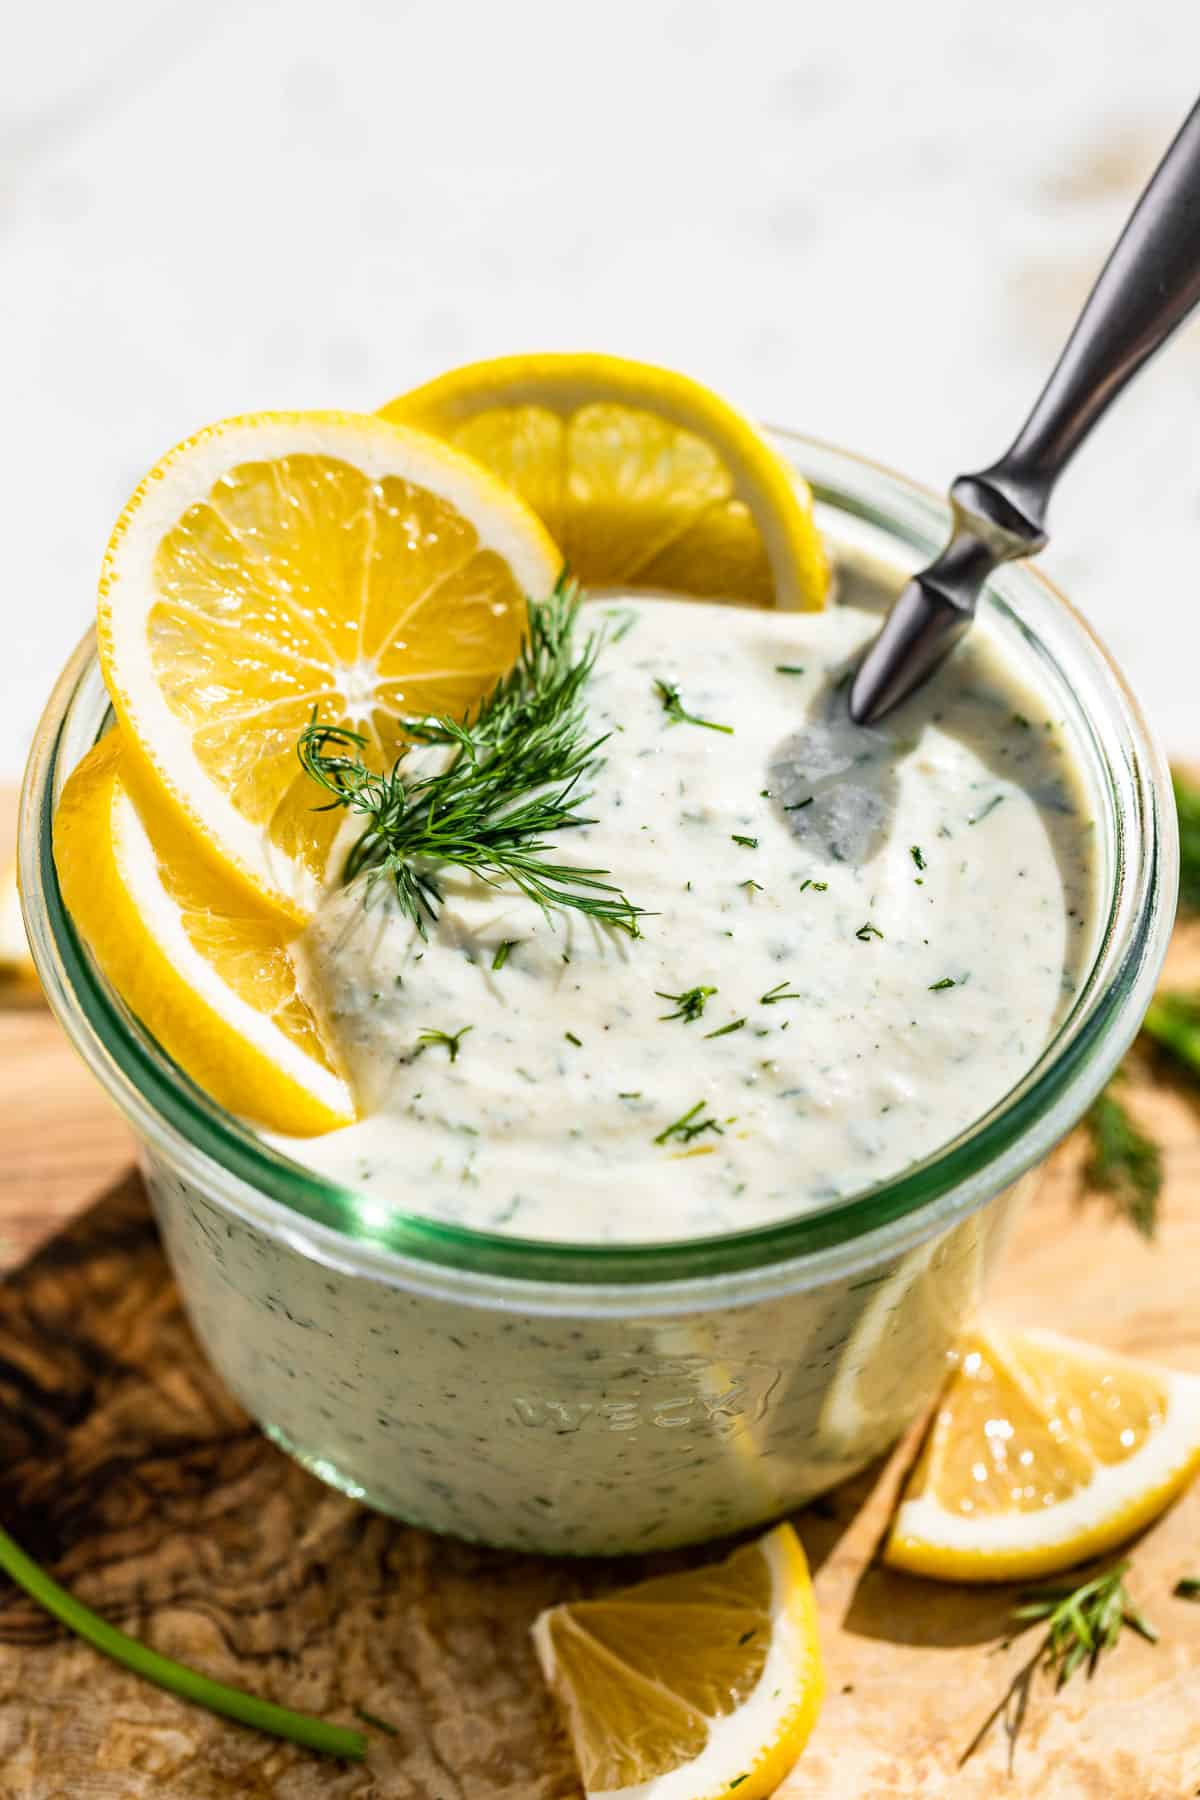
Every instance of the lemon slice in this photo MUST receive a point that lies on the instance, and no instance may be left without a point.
(284, 562)
(643, 477)
(204, 968)
(692, 1685)
(1043, 1452)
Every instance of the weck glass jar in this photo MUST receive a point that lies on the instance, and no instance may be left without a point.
(577, 1398)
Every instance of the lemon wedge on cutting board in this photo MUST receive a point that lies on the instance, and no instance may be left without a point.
(1043, 1452)
(690, 1686)
(643, 477)
(286, 562)
(205, 969)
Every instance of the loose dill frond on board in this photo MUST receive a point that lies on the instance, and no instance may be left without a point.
(1173, 1023)
(512, 777)
(1187, 805)
(1123, 1162)
(1082, 1623)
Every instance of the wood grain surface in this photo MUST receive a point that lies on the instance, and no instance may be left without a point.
(127, 1470)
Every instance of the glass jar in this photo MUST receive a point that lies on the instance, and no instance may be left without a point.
(587, 1398)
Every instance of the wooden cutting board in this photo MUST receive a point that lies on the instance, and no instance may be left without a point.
(126, 1469)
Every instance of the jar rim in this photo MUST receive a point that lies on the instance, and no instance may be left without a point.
(338, 1224)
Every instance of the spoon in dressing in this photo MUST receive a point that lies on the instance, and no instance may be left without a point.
(1147, 287)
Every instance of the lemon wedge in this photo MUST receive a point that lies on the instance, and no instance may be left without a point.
(283, 562)
(694, 1685)
(646, 479)
(1043, 1452)
(204, 968)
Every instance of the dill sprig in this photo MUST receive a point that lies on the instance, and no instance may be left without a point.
(677, 712)
(451, 1041)
(689, 1006)
(511, 778)
(1173, 1022)
(1187, 805)
(1123, 1162)
(1082, 1623)
(689, 1126)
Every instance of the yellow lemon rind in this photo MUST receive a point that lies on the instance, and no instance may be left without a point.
(158, 742)
(928, 1539)
(778, 499)
(107, 870)
(751, 1750)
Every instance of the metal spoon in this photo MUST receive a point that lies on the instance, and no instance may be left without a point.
(1147, 287)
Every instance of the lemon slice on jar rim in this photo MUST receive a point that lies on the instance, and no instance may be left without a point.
(205, 969)
(283, 564)
(645, 478)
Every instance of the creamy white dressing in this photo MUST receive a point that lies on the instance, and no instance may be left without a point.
(894, 922)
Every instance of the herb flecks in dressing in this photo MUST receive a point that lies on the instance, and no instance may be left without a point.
(892, 921)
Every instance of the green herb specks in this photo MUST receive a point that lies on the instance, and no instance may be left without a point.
(748, 843)
(724, 1031)
(938, 987)
(689, 1126)
(866, 932)
(451, 1040)
(501, 956)
(779, 992)
(689, 1006)
(677, 712)
(984, 812)
(623, 621)
(914, 850)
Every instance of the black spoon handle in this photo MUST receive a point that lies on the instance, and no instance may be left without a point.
(1147, 287)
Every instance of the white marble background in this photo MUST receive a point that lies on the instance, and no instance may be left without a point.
(873, 221)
